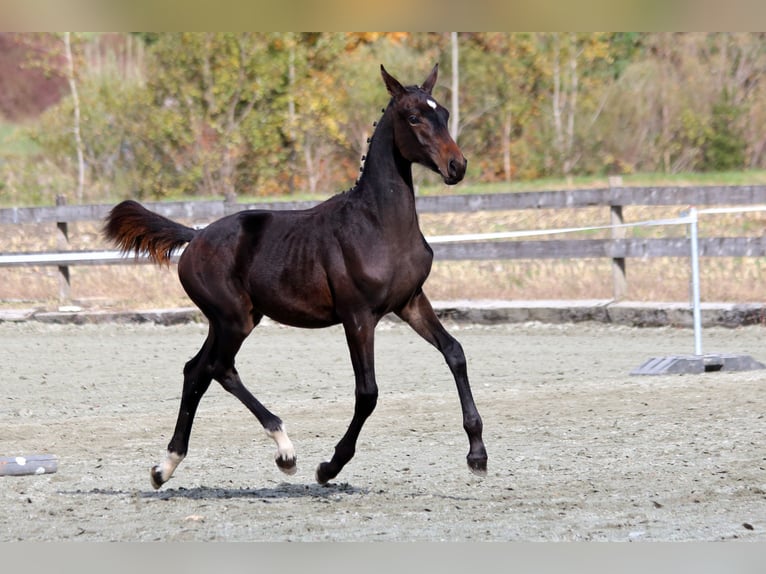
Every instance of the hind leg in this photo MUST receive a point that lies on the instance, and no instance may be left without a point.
(229, 311)
(197, 379)
(216, 361)
(231, 334)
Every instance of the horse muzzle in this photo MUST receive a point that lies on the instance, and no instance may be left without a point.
(455, 170)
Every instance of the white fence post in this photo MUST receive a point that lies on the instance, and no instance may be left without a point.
(696, 314)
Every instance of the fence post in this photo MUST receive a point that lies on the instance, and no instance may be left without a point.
(695, 280)
(619, 278)
(62, 244)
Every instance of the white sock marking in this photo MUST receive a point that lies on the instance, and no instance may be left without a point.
(169, 465)
(285, 449)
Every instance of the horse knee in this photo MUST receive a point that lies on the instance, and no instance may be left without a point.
(473, 425)
(228, 379)
(191, 368)
(454, 355)
(366, 400)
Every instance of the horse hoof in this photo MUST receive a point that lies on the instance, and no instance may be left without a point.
(323, 473)
(156, 476)
(287, 465)
(478, 467)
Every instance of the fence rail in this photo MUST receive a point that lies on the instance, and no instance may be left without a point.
(556, 199)
(618, 248)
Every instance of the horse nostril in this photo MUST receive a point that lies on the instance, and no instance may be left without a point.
(456, 167)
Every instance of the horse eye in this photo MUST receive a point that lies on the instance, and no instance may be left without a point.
(413, 120)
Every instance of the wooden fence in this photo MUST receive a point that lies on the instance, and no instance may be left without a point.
(618, 248)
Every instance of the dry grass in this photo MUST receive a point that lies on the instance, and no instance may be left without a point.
(651, 279)
(656, 279)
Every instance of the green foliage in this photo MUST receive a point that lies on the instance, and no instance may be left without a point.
(221, 101)
(625, 48)
(109, 118)
(724, 148)
(168, 115)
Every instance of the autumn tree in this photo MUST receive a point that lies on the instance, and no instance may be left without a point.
(193, 114)
(576, 66)
(358, 95)
(219, 92)
(502, 97)
(313, 112)
(106, 96)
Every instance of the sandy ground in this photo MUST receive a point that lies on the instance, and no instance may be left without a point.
(579, 449)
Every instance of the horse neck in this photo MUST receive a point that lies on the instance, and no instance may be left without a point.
(386, 180)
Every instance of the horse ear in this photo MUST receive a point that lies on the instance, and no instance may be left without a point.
(392, 84)
(430, 82)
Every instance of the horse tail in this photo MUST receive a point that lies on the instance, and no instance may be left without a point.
(134, 228)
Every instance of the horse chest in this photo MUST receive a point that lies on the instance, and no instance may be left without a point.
(414, 264)
(402, 272)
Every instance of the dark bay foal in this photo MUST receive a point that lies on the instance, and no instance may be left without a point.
(350, 260)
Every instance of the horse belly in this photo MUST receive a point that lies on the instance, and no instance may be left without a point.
(293, 298)
(297, 316)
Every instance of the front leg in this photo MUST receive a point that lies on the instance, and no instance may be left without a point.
(360, 337)
(419, 314)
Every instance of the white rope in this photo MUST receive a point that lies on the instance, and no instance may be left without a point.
(721, 210)
(536, 232)
(683, 220)
(62, 257)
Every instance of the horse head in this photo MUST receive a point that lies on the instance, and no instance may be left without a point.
(420, 128)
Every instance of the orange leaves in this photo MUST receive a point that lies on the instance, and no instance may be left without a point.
(356, 39)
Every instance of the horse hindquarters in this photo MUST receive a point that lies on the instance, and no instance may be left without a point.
(206, 275)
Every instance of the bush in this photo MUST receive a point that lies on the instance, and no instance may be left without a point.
(724, 148)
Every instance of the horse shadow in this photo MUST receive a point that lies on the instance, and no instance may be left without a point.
(280, 492)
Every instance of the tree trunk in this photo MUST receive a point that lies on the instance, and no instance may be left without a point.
(565, 88)
(663, 55)
(455, 111)
(311, 168)
(574, 86)
(76, 125)
(557, 105)
(507, 131)
(291, 117)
